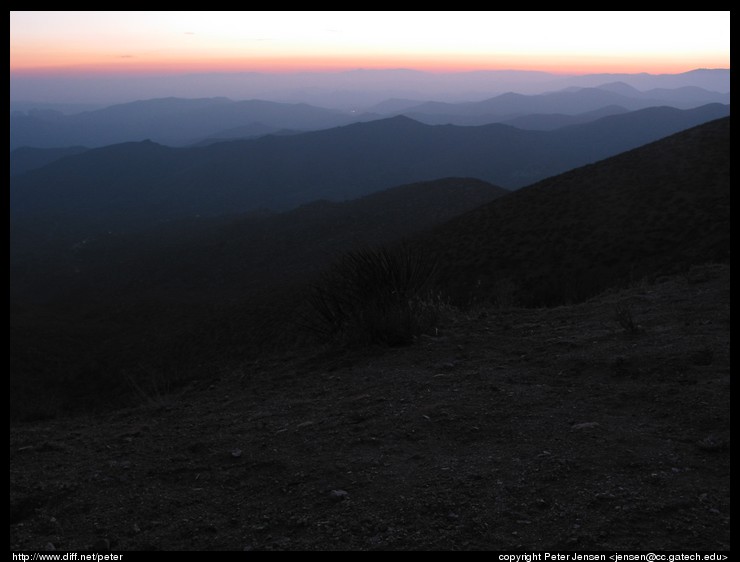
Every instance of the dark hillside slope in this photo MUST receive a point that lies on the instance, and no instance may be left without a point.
(170, 298)
(655, 209)
(222, 259)
(24, 159)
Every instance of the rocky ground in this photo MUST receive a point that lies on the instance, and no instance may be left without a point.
(598, 426)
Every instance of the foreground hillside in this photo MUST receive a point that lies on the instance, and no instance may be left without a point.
(568, 428)
(122, 306)
(655, 209)
(169, 298)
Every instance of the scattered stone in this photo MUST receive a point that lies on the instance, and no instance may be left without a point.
(585, 425)
(711, 443)
(338, 495)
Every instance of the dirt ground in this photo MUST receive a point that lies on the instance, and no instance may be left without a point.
(573, 428)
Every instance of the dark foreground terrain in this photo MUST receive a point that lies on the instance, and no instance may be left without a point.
(597, 426)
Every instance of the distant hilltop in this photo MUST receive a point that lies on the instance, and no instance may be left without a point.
(349, 90)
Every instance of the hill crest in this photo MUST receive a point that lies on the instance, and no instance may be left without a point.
(655, 209)
(124, 185)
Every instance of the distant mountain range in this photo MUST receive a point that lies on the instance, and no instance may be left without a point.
(171, 121)
(355, 90)
(574, 101)
(552, 121)
(134, 184)
(179, 122)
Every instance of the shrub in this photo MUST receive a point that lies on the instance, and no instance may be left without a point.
(624, 317)
(375, 296)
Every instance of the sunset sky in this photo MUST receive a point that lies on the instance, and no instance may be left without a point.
(176, 42)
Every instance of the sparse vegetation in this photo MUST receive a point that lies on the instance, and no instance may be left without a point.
(624, 317)
(233, 285)
(153, 388)
(444, 445)
(375, 296)
(176, 296)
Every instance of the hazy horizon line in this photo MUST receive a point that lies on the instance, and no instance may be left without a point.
(69, 72)
(346, 88)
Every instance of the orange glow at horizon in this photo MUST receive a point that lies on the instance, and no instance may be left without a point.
(69, 43)
(430, 63)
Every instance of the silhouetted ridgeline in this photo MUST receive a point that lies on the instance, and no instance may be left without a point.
(222, 259)
(179, 122)
(176, 298)
(570, 102)
(135, 184)
(24, 159)
(166, 299)
(552, 121)
(175, 121)
(653, 210)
